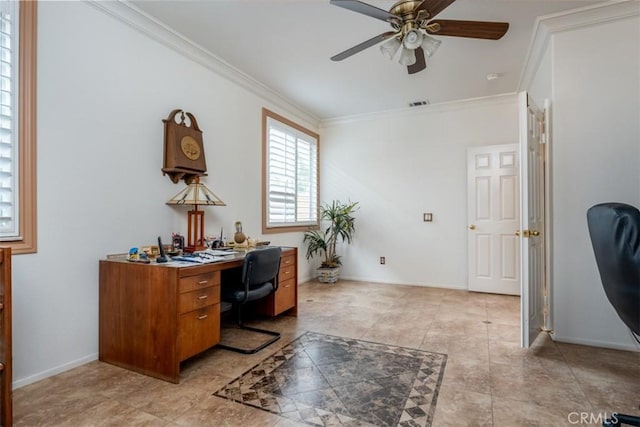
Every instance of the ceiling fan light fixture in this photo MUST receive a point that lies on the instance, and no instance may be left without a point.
(407, 57)
(390, 48)
(430, 45)
(412, 39)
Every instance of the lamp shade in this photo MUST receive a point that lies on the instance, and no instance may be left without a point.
(390, 48)
(196, 194)
(407, 57)
(430, 45)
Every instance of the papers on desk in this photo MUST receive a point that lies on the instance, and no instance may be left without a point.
(218, 252)
(205, 257)
(197, 259)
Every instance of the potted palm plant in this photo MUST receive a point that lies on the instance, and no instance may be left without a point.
(336, 223)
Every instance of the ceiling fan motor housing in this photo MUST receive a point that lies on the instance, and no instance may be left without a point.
(406, 8)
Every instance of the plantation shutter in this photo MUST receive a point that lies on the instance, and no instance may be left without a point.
(9, 227)
(292, 176)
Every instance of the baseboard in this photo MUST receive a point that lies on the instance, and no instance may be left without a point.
(54, 371)
(404, 283)
(596, 343)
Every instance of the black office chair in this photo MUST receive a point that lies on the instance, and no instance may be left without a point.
(615, 236)
(259, 279)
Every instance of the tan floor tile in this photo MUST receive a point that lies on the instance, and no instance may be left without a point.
(168, 401)
(503, 301)
(504, 316)
(468, 375)
(510, 353)
(219, 412)
(508, 412)
(462, 327)
(383, 336)
(112, 413)
(610, 397)
(448, 313)
(458, 347)
(499, 332)
(600, 364)
(457, 407)
(551, 385)
(472, 309)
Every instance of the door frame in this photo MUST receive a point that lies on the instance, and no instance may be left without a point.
(548, 228)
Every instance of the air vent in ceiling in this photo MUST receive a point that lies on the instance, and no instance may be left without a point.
(418, 103)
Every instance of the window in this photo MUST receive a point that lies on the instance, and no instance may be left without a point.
(17, 125)
(290, 175)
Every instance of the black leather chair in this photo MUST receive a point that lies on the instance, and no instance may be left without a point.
(615, 236)
(259, 278)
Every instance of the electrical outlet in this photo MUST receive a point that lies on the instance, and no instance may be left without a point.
(382, 260)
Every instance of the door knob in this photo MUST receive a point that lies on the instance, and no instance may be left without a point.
(528, 233)
(472, 227)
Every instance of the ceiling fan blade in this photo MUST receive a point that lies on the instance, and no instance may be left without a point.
(362, 46)
(420, 64)
(471, 29)
(365, 9)
(434, 7)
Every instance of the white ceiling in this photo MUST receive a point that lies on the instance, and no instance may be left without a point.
(286, 45)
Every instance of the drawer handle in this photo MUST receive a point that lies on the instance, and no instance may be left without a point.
(203, 297)
(204, 316)
(287, 272)
(287, 286)
(202, 282)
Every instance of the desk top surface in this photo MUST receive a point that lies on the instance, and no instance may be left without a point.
(236, 256)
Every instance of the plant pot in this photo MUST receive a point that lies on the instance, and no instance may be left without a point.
(328, 274)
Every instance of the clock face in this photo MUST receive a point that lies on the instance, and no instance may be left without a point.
(190, 148)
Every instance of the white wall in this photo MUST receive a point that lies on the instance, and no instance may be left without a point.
(596, 158)
(399, 165)
(103, 89)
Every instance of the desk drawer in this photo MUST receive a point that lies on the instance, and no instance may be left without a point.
(190, 301)
(287, 268)
(198, 330)
(198, 281)
(285, 297)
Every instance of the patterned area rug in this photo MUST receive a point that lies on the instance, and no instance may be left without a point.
(326, 380)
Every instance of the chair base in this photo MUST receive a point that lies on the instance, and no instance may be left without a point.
(275, 337)
(618, 420)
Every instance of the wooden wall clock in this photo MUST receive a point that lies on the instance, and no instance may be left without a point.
(183, 148)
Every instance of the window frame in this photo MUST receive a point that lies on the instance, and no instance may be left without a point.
(26, 145)
(266, 229)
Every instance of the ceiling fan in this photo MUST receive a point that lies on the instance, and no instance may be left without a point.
(412, 23)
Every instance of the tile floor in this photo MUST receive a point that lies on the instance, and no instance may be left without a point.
(488, 380)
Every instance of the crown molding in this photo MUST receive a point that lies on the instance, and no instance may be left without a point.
(135, 18)
(546, 26)
(464, 104)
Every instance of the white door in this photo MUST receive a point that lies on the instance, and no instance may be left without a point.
(494, 217)
(532, 229)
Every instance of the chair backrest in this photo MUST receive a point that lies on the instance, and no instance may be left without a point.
(261, 266)
(615, 235)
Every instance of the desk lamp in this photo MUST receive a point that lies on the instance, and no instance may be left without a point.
(195, 194)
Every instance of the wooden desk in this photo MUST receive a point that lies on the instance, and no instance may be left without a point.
(153, 316)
